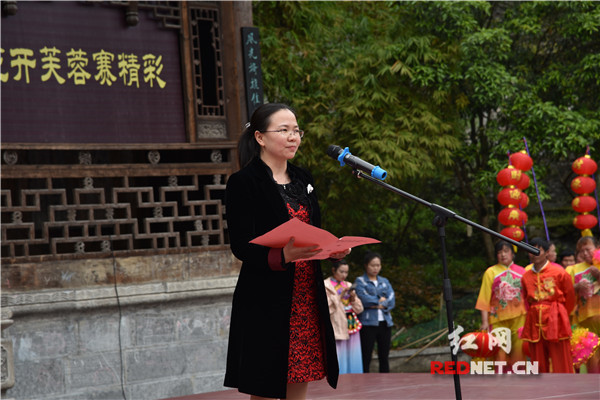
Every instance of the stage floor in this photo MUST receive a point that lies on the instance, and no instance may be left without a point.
(424, 386)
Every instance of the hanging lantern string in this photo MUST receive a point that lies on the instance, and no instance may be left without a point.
(587, 151)
(524, 229)
(537, 192)
(520, 207)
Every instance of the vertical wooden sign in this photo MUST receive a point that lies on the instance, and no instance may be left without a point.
(252, 69)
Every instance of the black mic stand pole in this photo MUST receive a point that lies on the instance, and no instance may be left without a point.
(441, 217)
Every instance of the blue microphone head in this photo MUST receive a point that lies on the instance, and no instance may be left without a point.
(378, 173)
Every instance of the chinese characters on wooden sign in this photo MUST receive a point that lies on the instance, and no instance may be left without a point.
(252, 69)
(23, 61)
(76, 73)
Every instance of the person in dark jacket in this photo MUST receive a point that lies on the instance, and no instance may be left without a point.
(280, 336)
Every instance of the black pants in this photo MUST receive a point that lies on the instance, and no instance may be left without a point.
(381, 334)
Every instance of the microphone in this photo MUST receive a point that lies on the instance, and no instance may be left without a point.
(344, 157)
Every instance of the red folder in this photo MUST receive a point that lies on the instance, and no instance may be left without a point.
(307, 235)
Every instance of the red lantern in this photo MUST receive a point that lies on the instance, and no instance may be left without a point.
(524, 200)
(480, 344)
(584, 165)
(509, 196)
(583, 185)
(521, 160)
(513, 232)
(512, 196)
(583, 204)
(511, 216)
(523, 216)
(585, 221)
(524, 182)
(508, 176)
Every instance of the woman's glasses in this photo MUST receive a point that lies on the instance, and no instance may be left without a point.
(288, 132)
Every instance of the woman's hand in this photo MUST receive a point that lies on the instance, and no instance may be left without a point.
(584, 288)
(340, 254)
(293, 253)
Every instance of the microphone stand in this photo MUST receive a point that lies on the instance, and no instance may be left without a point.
(441, 217)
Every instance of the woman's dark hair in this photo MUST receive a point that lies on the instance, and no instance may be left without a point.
(566, 253)
(502, 244)
(248, 147)
(370, 256)
(337, 263)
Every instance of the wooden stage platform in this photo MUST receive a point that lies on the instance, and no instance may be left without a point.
(423, 386)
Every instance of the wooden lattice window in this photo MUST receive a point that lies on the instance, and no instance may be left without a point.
(149, 202)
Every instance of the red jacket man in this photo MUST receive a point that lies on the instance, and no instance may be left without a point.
(550, 298)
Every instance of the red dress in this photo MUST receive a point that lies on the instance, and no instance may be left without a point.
(306, 362)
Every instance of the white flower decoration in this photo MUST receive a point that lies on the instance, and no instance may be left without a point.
(309, 188)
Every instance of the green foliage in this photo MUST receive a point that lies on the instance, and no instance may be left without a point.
(438, 94)
(463, 315)
(416, 298)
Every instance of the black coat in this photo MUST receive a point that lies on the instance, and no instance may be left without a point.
(257, 357)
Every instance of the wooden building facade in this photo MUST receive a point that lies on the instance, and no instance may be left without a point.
(120, 122)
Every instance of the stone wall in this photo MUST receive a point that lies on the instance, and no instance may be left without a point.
(158, 339)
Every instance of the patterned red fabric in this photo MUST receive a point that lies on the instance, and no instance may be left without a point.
(306, 361)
